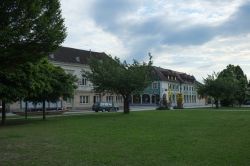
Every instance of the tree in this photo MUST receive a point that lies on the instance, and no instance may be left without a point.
(29, 30)
(39, 82)
(213, 87)
(229, 86)
(49, 83)
(248, 92)
(112, 76)
(237, 85)
(11, 89)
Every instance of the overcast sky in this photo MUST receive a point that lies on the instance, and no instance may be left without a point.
(192, 36)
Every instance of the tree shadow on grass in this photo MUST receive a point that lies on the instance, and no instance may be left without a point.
(35, 120)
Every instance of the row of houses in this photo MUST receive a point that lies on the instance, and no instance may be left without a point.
(74, 61)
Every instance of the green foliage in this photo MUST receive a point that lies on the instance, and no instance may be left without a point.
(212, 87)
(236, 83)
(229, 86)
(49, 83)
(179, 100)
(111, 75)
(248, 92)
(36, 82)
(30, 30)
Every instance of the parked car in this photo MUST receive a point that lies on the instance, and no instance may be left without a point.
(105, 106)
(247, 102)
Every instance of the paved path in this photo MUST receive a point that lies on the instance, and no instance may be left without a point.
(132, 108)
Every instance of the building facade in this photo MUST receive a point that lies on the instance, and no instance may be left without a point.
(170, 83)
(75, 61)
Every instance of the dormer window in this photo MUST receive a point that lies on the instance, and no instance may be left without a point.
(83, 81)
(155, 85)
(78, 59)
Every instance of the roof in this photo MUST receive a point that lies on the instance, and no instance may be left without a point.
(72, 55)
(173, 76)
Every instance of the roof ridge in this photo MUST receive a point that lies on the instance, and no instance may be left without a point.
(78, 49)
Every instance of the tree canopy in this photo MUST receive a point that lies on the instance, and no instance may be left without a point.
(29, 30)
(49, 83)
(236, 82)
(113, 76)
(38, 82)
(229, 86)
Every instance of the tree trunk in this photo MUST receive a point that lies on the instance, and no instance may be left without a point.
(26, 109)
(216, 104)
(126, 105)
(3, 112)
(44, 109)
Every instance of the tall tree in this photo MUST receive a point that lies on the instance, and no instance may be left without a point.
(213, 87)
(49, 83)
(39, 82)
(229, 86)
(237, 82)
(29, 30)
(12, 88)
(248, 92)
(113, 76)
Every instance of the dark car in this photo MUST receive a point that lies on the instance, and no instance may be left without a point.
(104, 106)
(247, 102)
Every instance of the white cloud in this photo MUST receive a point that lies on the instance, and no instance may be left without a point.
(192, 36)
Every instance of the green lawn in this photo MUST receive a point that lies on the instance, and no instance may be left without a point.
(188, 137)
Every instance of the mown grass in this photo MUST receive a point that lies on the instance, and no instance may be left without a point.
(187, 137)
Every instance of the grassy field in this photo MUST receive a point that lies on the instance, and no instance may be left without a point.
(188, 137)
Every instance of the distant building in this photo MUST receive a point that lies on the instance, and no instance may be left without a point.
(74, 61)
(170, 83)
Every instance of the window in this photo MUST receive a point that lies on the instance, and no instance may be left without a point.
(155, 85)
(96, 98)
(83, 81)
(69, 71)
(118, 99)
(109, 98)
(84, 99)
(69, 100)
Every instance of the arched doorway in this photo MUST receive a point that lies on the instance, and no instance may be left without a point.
(155, 99)
(145, 99)
(136, 99)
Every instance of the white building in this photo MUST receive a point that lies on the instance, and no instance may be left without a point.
(74, 61)
(170, 83)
